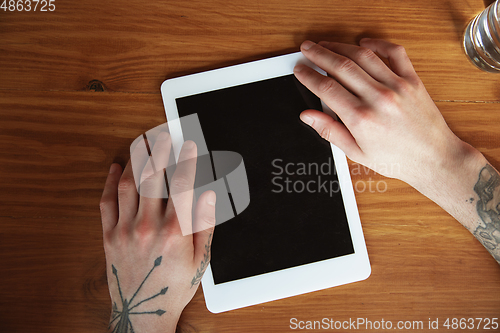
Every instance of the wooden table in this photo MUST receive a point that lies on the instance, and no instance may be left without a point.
(78, 84)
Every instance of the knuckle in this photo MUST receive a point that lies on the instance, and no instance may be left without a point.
(364, 116)
(416, 83)
(182, 182)
(345, 65)
(325, 133)
(402, 85)
(103, 205)
(126, 184)
(150, 174)
(144, 231)
(399, 49)
(209, 220)
(363, 54)
(363, 109)
(387, 97)
(318, 50)
(147, 175)
(153, 188)
(327, 86)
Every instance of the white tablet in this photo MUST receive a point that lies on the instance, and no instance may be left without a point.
(301, 231)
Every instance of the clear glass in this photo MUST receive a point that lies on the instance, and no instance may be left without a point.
(482, 39)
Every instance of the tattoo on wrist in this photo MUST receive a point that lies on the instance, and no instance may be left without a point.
(204, 263)
(488, 209)
(124, 324)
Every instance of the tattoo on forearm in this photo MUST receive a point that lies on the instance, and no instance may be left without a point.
(488, 209)
(204, 263)
(124, 324)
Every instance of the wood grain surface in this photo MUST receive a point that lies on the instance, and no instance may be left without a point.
(77, 85)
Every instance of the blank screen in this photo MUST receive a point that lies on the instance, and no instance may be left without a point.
(296, 214)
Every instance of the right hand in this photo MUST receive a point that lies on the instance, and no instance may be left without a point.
(388, 118)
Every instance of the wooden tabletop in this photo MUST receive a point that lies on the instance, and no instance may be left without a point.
(78, 84)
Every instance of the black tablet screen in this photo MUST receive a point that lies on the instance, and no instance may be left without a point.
(296, 214)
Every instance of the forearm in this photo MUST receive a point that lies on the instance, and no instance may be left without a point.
(464, 184)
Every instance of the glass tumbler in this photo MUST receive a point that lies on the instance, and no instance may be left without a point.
(482, 39)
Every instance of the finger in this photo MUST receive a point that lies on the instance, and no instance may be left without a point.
(330, 91)
(128, 198)
(181, 189)
(365, 58)
(153, 187)
(204, 223)
(109, 199)
(332, 131)
(343, 69)
(396, 54)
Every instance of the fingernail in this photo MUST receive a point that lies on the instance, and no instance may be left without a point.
(306, 119)
(162, 136)
(113, 168)
(364, 39)
(307, 45)
(189, 145)
(298, 68)
(211, 198)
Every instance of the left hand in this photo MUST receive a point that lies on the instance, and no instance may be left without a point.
(145, 249)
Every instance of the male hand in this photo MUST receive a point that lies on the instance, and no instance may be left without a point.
(389, 122)
(153, 270)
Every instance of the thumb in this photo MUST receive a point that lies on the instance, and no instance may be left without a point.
(204, 225)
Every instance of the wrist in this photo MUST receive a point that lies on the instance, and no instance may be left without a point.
(166, 322)
(443, 161)
(450, 175)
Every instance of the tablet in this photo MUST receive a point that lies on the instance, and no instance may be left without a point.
(301, 230)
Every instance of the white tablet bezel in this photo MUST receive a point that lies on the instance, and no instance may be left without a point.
(287, 282)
